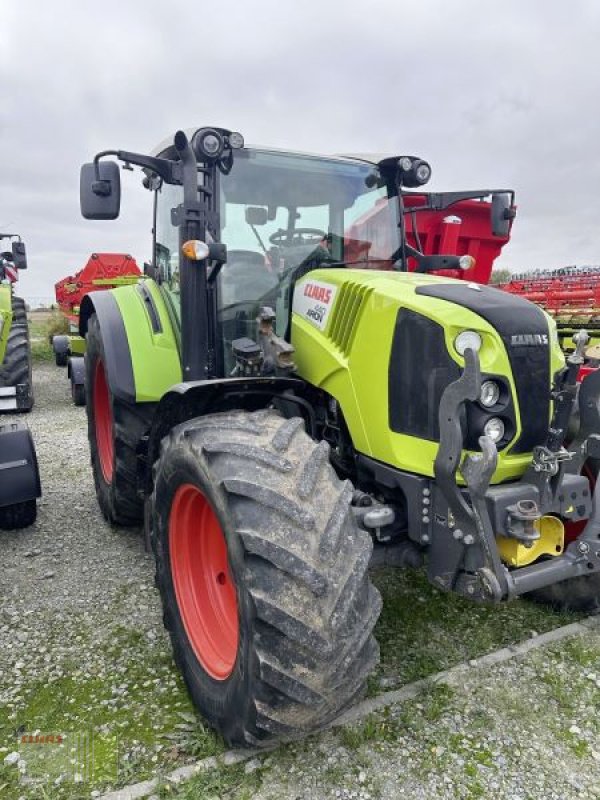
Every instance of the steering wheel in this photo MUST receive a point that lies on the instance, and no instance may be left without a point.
(297, 237)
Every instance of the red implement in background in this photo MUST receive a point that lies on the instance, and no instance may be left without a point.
(463, 229)
(102, 271)
(571, 296)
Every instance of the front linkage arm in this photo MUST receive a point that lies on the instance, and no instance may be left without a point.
(482, 575)
(472, 521)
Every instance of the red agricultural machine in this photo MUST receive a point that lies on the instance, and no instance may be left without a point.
(102, 271)
(571, 295)
(431, 228)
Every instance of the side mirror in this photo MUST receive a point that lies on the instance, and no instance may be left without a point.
(256, 215)
(19, 255)
(100, 193)
(502, 214)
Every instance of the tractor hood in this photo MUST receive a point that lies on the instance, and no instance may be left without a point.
(384, 345)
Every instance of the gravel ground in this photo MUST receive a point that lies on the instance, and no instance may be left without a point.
(83, 655)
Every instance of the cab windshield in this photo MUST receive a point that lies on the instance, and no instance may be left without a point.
(284, 214)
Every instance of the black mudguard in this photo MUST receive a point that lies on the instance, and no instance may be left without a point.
(195, 398)
(19, 472)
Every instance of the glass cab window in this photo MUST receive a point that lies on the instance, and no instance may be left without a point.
(282, 215)
(285, 214)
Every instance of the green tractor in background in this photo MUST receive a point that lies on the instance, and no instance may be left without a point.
(19, 473)
(279, 419)
(16, 388)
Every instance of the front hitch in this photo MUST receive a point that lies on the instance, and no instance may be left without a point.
(454, 563)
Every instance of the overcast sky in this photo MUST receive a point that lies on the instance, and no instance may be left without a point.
(493, 94)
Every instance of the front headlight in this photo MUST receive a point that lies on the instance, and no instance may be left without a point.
(467, 339)
(494, 428)
(489, 394)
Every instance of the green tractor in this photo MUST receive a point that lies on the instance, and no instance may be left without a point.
(19, 473)
(16, 388)
(280, 419)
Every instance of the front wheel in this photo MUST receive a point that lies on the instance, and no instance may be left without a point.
(115, 429)
(263, 575)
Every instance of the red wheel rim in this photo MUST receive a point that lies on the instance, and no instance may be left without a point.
(204, 589)
(103, 422)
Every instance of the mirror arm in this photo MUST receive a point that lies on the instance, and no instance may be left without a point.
(169, 171)
(438, 201)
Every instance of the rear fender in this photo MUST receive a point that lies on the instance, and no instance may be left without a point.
(197, 398)
(19, 472)
(142, 357)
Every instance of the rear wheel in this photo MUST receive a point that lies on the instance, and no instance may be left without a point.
(19, 515)
(15, 370)
(263, 575)
(115, 429)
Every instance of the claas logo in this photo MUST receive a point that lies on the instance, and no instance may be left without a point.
(316, 292)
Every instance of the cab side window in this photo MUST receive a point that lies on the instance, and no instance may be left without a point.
(166, 249)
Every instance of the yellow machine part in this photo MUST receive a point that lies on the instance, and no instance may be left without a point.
(550, 543)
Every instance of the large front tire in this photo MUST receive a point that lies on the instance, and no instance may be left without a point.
(254, 538)
(115, 429)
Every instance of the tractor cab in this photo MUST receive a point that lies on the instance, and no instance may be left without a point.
(281, 215)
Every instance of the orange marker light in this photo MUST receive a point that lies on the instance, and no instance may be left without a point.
(195, 250)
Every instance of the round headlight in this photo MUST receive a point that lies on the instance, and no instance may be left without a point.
(405, 164)
(423, 173)
(467, 339)
(490, 394)
(208, 143)
(494, 428)
(211, 144)
(236, 140)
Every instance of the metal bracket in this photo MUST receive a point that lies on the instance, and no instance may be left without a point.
(472, 522)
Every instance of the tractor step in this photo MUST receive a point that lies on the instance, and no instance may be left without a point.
(8, 398)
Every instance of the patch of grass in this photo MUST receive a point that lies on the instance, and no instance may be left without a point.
(436, 701)
(138, 714)
(56, 323)
(372, 729)
(225, 783)
(422, 630)
(41, 328)
(559, 690)
(41, 350)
